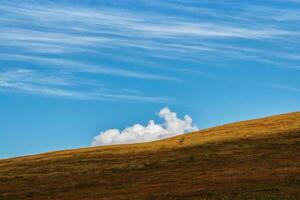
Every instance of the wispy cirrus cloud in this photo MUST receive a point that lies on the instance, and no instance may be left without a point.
(33, 82)
(123, 42)
(72, 65)
(284, 87)
(79, 29)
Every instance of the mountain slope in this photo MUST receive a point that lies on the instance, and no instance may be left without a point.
(256, 159)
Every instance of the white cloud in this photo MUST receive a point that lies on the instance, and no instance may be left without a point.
(171, 126)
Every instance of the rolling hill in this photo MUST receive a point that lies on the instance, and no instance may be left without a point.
(255, 159)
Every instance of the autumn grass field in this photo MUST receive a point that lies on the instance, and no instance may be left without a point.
(256, 159)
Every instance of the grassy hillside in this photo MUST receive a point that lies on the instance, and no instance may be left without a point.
(256, 159)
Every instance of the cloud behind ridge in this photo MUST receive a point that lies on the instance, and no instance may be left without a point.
(171, 126)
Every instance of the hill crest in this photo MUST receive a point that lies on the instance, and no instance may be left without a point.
(255, 159)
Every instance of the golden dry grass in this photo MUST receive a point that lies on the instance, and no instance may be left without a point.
(256, 159)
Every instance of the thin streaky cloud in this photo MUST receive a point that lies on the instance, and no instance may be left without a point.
(90, 28)
(76, 39)
(84, 67)
(29, 81)
(284, 87)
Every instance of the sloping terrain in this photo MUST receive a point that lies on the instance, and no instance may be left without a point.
(256, 159)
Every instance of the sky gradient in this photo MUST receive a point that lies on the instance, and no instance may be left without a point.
(72, 69)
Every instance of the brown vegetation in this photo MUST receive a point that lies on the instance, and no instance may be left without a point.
(256, 159)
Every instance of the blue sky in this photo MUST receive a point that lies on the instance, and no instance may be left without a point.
(71, 69)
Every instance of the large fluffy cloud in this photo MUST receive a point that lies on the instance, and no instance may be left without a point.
(171, 126)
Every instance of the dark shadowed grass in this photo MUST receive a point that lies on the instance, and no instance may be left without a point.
(257, 159)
